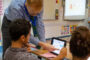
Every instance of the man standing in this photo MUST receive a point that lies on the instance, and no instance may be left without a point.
(31, 10)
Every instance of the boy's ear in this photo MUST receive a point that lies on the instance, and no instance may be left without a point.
(22, 38)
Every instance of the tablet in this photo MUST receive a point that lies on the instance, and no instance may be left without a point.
(59, 44)
(88, 58)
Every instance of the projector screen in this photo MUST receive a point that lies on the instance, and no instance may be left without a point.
(74, 9)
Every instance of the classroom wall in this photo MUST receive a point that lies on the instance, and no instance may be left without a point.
(6, 3)
(49, 9)
(53, 28)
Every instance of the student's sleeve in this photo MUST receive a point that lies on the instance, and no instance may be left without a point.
(40, 27)
(29, 57)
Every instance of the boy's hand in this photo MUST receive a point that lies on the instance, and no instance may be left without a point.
(28, 47)
(63, 52)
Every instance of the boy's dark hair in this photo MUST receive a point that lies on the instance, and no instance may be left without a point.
(19, 27)
(80, 42)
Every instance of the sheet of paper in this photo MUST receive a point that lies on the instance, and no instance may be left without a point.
(49, 55)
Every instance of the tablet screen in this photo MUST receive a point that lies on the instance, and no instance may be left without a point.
(88, 58)
(58, 44)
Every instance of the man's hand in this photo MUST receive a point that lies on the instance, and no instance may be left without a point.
(47, 46)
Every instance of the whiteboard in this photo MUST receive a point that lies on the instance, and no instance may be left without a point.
(49, 9)
(75, 9)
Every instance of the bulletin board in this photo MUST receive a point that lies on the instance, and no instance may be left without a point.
(75, 9)
(1, 12)
(49, 9)
(1, 7)
(5, 5)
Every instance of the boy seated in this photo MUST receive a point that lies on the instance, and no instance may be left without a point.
(80, 43)
(20, 34)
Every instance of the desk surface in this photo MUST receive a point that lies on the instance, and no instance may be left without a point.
(39, 52)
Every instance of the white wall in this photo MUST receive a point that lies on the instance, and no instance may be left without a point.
(5, 5)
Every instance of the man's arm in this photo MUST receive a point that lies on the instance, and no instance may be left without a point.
(40, 27)
(46, 46)
(34, 40)
(41, 31)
